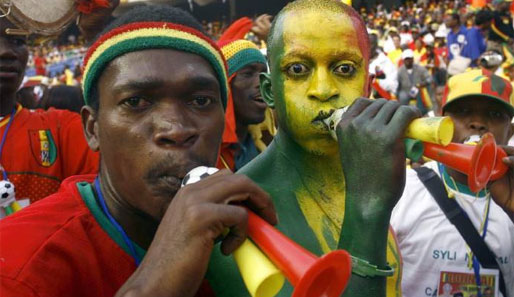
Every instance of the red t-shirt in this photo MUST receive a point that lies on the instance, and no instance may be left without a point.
(64, 245)
(43, 148)
(40, 64)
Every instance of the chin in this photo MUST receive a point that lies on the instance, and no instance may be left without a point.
(322, 145)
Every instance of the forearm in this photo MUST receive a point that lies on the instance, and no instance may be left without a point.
(364, 235)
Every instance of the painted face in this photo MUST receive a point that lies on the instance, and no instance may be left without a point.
(160, 115)
(249, 107)
(13, 58)
(322, 66)
(477, 116)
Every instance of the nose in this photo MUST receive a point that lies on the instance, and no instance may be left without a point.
(322, 86)
(174, 129)
(478, 124)
(6, 50)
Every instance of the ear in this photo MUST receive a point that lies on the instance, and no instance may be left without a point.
(265, 87)
(90, 126)
(369, 86)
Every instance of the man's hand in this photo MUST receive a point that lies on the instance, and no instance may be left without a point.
(502, 190)
(93, 23)
(370, 136)
(261, 26)
(177, 259)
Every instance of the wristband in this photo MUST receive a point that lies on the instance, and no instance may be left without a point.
(363, 268)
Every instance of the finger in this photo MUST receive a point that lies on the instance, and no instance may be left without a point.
(401, 119)
(233, 187)
(235, 218)
(370, 112)
(508, 149)
(386, 113)
(263, 207)
(357, 107)
(509, 161)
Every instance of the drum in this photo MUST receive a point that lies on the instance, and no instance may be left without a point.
(44, 17)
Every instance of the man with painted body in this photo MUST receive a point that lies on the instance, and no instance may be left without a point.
(319, 55)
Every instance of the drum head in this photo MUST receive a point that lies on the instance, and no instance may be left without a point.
(45, 17)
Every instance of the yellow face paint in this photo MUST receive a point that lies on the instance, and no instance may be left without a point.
(322, 68)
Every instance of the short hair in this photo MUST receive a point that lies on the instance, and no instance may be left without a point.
(455, 16)
(332, 5)
(146, 13)
(483, 16)
(63, 97)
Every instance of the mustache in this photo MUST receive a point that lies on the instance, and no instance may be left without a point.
(169, 167)
(322, 115)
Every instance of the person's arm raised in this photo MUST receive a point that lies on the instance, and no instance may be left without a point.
(90, 24)
(370, 137)
(177, 259)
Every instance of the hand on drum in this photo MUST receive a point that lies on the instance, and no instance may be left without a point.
(90, 24)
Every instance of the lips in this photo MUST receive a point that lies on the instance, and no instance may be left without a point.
(475, 138)
(165, 179)
(9, 72)
(322, 115)
(257, 98)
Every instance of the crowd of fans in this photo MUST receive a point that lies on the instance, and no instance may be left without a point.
(451, 58)
(415, 48)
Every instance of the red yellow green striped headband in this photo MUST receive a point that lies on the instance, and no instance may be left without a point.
(240, 53)
(151, 35)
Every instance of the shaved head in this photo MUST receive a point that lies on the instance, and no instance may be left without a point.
(334, 6)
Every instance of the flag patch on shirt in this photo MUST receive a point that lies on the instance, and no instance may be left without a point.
(43, 147)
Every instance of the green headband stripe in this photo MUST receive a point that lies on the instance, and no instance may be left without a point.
(154, 42)
(243, 58)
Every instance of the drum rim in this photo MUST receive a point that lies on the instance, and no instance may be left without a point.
(19, 19)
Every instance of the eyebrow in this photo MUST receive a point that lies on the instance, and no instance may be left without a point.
(150, 83)
(340, 54)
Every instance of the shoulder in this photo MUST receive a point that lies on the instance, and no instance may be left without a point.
(28, 232)
(63, 116)
(51, 117)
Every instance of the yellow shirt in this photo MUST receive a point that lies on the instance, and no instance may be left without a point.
(68, 74)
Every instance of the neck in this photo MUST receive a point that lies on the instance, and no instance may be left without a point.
(313, 168)
(139, 227)
(7, 104)
(457, 176)
(456, 28)
(241, 131)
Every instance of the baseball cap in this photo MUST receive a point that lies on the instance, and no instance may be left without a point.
(408, 53)
(479, 83)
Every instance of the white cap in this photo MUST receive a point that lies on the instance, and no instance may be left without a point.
(405, 23)
(440, 33)
(408, 53)
(428, 39)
